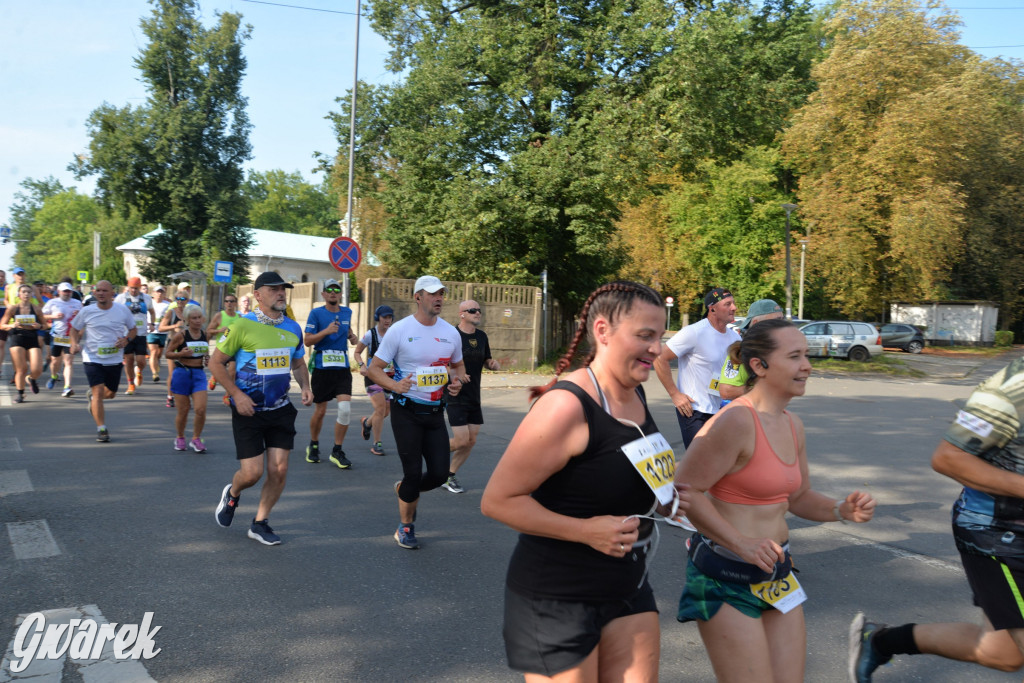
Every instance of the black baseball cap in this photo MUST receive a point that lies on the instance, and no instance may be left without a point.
(271, 279)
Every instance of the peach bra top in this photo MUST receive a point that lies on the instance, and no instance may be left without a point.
(765, 479)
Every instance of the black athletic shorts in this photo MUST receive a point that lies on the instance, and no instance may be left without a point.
(137, 346)
(462, 414)
(264, 429)
(56, 350)
(24, 340)
(548, 637)
(997, 584)
(107, 375)
(327, 383)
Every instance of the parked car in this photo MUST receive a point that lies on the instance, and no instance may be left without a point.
(902, 336)
(842, 339)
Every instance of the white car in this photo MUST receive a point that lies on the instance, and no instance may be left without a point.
(842, 339)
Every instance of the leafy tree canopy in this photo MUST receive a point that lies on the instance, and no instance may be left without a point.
(177, 159)
(285, 202)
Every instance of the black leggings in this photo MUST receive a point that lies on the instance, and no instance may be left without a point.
(420, 437)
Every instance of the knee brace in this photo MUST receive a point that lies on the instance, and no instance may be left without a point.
(344, 412)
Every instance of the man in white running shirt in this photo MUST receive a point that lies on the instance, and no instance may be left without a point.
(108, 328)
(60, 311)
(426, 352)
(700, 349)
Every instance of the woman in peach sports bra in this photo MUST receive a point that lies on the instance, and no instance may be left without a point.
(750, 461)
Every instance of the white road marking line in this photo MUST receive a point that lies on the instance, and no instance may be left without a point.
(32, 539)
(14, 481)
(5, 420)
(10, 444)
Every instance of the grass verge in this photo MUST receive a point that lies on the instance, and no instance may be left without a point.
(878, 365)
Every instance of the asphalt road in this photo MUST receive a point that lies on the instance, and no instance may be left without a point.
(133, 530)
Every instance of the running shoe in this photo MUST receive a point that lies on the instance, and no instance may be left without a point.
(339, 459)
(32, 383)
(131, 390)
(68, 392)
(179, 443)
(170, 402)
(453, 485)
(864, 658)
(51, 382)
(367, 427)
(102, 435)
(226, 400)
(313, 453)
(261, 531)
(212, 384)
(197, 445)
(156, 378)
(226, 508)
(406, 536)
(377, 448)
(20, 398)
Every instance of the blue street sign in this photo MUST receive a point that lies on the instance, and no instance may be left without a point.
(222, 271)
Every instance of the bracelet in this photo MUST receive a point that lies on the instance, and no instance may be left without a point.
(835, 510)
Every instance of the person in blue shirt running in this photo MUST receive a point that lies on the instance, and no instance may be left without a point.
(329, 331)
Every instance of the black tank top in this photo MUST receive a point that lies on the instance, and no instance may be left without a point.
(186, 337)
(32, 311)
(599, 481)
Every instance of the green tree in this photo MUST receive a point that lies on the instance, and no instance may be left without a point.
(727, 227)
(285, 202)
(504, 151)
(27, 202)
(60, 239)
(905, 152)
(177, 159)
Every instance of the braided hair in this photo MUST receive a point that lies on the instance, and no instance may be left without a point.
(610, 301)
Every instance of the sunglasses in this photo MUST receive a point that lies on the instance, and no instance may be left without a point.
(231, 301)
(471, 310)
(181, 298)
(333, 290)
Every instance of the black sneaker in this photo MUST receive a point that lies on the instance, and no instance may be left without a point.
(32, 383)
(863, 657)
(226, 508)
(102, 435)
(367, 428)
(313, 453)
(20, 398)
(261, 531)
(339, 459)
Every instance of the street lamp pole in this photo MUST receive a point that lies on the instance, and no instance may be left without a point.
(803, 253)
(789, 208)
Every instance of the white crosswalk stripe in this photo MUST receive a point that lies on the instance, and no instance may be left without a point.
(14, 481)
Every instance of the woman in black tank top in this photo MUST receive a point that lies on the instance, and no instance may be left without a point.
(578, 574)
(188, 350)
(23, 321)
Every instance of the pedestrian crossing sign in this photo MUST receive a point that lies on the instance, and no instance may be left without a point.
(83, 276)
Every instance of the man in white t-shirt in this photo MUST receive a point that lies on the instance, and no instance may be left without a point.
(426, 352)
(60, 311)
(700, 349)
(107, 328)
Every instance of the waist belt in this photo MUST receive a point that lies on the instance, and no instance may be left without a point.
(418, 408)
(708, 558)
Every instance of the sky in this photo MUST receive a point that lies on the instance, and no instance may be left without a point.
(61, 59)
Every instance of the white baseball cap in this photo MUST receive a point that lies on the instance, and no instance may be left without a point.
(429, 284)
(64, 286)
